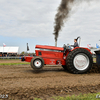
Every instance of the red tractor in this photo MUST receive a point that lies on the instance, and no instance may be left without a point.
(78, 60)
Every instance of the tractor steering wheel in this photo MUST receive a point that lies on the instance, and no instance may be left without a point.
(66, 47)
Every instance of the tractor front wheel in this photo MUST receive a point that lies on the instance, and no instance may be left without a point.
(79, 61)
(37, 63)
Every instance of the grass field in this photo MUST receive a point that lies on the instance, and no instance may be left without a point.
(8, 59)
(12, 62)
(90, 96)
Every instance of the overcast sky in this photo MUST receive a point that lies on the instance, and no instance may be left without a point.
(32, 21)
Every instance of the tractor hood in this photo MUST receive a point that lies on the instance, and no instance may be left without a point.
(49, 47)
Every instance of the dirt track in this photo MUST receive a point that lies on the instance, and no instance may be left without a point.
(22, 82)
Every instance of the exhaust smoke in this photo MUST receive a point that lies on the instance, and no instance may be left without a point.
(62, 14)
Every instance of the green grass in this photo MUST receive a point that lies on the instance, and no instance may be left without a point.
(89, 96)
(37, 99)
(15, 63)
(79, 97)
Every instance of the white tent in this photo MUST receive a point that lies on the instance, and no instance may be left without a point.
(9, 49)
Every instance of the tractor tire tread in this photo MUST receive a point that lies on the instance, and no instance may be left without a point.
(70, 57)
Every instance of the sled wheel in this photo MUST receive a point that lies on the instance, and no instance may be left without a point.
(37, 63)
(79, 61)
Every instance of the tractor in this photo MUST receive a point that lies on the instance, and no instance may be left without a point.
(77, 60)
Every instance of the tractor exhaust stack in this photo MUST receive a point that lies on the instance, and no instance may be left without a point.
(55, 43)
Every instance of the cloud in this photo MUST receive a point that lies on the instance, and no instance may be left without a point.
(24, 18)
(35, 19)
(84, 22)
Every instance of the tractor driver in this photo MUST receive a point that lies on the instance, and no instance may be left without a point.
(75, 43)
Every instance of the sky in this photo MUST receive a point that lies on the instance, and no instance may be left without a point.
(32, 22)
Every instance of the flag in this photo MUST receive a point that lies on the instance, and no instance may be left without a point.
(4, 44)
(88, 45)
(27, 47)
(97, 46)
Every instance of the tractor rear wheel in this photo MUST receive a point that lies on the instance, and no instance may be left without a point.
(37, 63)
(79, 61)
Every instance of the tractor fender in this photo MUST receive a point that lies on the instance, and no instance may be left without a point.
(82, 48)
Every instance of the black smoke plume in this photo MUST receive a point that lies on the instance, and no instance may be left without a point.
(62, 14)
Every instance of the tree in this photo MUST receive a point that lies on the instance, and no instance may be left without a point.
(22, 52)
